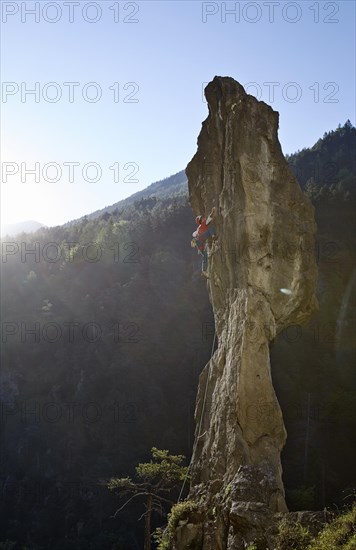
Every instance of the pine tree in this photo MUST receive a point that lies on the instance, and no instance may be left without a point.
(154, 478)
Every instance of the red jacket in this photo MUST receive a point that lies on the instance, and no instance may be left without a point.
(203, 227)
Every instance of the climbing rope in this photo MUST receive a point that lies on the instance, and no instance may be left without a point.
(200, 422)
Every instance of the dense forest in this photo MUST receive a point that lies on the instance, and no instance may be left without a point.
(106, 325)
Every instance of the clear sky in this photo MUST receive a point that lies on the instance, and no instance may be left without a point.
(145, 63)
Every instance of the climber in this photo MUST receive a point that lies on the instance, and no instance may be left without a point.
(201, 235)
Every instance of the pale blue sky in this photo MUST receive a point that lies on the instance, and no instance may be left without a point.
(169, 53)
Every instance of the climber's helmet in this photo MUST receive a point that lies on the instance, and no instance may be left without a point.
(198, 219)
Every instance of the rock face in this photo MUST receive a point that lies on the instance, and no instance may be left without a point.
(263, 276)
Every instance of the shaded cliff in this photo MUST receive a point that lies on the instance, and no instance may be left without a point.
(263, 276)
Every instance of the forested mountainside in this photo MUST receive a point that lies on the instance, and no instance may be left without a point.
(105, 330)
(173, 185)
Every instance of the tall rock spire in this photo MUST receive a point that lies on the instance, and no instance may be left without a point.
(263, 276)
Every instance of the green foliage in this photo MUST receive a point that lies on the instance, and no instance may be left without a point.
(340, 533)
(164, 467)
(116, 483)
(179, 512)
(160, 475)
(292, 536)
(327, 171)
(160, 538)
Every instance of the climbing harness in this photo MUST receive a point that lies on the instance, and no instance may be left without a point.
(200, 422)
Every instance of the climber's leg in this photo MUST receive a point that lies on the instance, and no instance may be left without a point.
(203, 251)
(204, 265)
(209, 233)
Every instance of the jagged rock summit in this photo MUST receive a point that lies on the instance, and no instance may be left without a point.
(263, 276)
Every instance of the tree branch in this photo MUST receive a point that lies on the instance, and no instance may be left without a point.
(129, 500)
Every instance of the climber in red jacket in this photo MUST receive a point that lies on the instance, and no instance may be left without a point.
(204, 231)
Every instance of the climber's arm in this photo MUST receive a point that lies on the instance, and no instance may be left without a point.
(210, 217)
